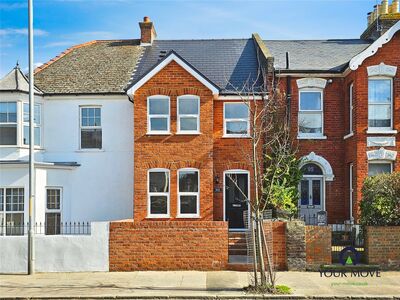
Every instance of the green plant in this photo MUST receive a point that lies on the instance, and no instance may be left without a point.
(380, 204)
(269, 289)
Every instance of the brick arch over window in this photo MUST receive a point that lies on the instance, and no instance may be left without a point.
(170, 165)
(321, 162)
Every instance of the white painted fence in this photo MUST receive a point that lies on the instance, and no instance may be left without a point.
(58, 253)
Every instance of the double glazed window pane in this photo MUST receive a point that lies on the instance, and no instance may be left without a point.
(380, 103)
(375, 169)
(310, 101)
(53, 199)
(379, 115)
(379, 91)
(36, 135)
(236, 127)
(188, 204)
(36, 115)
(159, 182)
(53, 223)
(189, 181)
(188, 113)
(8, 112)
(15, 199)
(159, 124)
(158, 106)
(91, 138)
(188, 106)
(310, 122)
(236, 111)
(8, 134)
(158, 205)
(91, 117)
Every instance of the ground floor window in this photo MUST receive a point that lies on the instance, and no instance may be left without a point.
(53, 211)
(11, 211)
(158, 193)
(188, 193)
(375, 168)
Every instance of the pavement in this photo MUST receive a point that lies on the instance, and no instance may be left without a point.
(191, 285)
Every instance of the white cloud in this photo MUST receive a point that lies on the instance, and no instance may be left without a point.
(22, 31)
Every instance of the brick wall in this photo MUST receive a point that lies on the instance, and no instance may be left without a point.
(382, 245)
(275, 235)
(318, 246)
(163, 245)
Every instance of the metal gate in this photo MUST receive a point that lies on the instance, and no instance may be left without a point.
(344, 236)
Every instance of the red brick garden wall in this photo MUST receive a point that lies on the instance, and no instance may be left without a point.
(318, 246)
(275, 234)
(383, 246)
(163, 245)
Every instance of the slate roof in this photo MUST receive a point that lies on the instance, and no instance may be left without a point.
(225, 62)
(94, 67)
(316, 55)
(15, 81)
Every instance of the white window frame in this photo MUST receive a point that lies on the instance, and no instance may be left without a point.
(149, 194)
(197, 194)
(50, 210)
(4, 212)
(247, 120)
(168, 116)
(380, 162)
(302, 135)
(36, 125)
(81, 107)
(16, 123)
(351, 107)
(179, 116)
(382, 129)
(351, 191)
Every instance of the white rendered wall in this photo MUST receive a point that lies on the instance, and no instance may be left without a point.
(62, 253)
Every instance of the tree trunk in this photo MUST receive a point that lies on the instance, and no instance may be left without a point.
(260, 251)
(253, 244)
(269, 260)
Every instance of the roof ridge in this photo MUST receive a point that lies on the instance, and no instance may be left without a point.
(222, 39)
(314, 40)
(62, 54)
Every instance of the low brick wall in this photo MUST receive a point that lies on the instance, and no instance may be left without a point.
(275, 233)
(383, 246)
(318, 246)
(163, 245)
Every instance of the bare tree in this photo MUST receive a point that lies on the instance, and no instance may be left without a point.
(271, 155)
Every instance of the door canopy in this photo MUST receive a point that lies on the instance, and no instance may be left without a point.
(321, 162)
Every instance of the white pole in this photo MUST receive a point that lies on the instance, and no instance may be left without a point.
(31, 244)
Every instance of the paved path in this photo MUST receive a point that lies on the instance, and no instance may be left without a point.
(187, 284)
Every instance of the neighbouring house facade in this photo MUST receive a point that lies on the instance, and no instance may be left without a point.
(153, 129)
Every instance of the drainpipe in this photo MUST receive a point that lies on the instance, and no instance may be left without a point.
(288, 88)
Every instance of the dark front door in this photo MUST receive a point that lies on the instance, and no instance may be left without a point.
(236, 191)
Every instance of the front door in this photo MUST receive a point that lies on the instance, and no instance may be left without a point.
(311, 202)
(236, 196)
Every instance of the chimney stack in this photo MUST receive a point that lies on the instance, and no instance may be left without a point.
(384, 7)
(147, 32)
(395, 7)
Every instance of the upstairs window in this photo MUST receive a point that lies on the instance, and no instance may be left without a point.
(158, 193)
(158, 119)
(311, 114)
(351, 108)
(188, 193)
(37, 124)
(91, 131)
(380, 104)
(8, 123)
(236, 120)
(188, 114)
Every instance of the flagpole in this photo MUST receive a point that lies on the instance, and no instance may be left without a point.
(31, 244)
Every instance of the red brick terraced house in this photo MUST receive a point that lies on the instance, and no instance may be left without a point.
(190, 127)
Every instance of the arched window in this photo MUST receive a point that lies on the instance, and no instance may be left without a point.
(311, 169)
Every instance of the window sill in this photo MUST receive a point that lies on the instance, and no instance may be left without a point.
(323, 137)
(158, 217)
(188, 217)
(381, 131)
(229, 136)
(90, 150)
(21, 147)
(159, 133)
(187, 133)
(348, 135)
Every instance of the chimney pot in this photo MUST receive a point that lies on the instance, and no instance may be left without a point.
(146, 19)
(384, 7)
(395, 6)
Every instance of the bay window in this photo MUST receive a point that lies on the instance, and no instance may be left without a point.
(158, 193)
(188, 114)
(158, 115)
(188, 193)
(380, 104)
(37, 124)
(90, 127)
(11, 211)
(8, 123)
(236, 119)
(311, 113)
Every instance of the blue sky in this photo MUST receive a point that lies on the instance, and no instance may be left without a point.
(60, 24)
